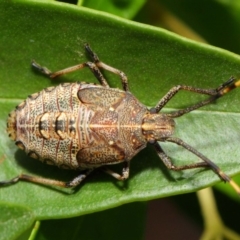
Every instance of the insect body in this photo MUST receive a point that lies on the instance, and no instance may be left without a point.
(79, 125)
(84, 126)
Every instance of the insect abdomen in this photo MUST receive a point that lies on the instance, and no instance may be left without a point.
(44, 125)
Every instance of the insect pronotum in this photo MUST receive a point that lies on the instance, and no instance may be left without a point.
(85, 126)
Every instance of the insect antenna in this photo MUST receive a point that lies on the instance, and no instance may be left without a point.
(214, 94)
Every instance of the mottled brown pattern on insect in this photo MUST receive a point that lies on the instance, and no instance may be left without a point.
(85, 126)
(79, 125)
(45, 125)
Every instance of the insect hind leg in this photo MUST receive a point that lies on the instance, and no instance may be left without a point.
(46, 181)
(93, 66)
(102, 65)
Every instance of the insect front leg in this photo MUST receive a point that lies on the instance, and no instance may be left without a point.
(206, 162)
(125, 172)
(214, 93)
(169, 164)
(45, 181)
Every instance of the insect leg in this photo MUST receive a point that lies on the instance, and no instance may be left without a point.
(206, 162)
(169, 164)
(77, 180)
(125, 172)
(100, 64)
(214, 93)
(92, 66)
(45, 181)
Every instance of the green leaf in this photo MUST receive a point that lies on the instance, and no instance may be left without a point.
(14, 219)
(100, 225)
(154, 60)
(217, 21)
(122, 8)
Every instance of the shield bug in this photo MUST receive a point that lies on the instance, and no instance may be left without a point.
(85, 126)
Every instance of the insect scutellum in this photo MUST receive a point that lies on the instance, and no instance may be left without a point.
(78, 125)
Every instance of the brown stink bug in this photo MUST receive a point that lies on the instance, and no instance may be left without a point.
(85, 126)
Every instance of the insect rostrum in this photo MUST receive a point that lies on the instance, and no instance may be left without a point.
(85, 126)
